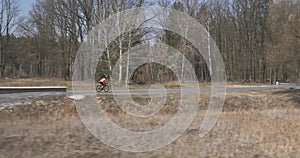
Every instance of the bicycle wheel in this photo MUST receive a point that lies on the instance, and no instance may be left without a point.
(106, 88)
(98, 88)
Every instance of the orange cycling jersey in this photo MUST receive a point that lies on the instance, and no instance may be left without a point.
(103, 80)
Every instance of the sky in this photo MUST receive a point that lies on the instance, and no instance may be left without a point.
(25, 6)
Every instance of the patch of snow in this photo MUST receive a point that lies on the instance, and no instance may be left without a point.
(76, 97)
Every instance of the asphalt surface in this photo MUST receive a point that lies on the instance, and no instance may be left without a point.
(26, 98)
(8, 90)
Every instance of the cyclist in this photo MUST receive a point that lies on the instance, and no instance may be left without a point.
(103, 80)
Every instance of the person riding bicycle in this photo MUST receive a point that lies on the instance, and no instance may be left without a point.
(103, 81)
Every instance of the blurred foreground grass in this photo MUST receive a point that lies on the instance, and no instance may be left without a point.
(252, 124)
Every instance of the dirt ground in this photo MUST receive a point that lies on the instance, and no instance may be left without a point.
(252, 124)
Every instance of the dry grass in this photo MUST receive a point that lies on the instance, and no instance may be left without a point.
(68, 84)
(252, 124)
(35, 82)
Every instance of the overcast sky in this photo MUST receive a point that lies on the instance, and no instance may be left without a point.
(25, 6)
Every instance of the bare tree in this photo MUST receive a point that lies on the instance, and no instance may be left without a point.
(258, 39)
(8, 20)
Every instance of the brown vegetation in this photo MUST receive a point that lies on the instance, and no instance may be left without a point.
(252, 124)
(35, 82)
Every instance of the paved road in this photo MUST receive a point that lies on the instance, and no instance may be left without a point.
(27, 98)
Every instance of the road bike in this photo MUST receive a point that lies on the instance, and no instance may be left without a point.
(104, 87)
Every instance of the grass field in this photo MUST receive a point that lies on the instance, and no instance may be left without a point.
(68, 84)
(35, 82)
(252, 124)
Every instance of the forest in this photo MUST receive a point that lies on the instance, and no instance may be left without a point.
(259, 40)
